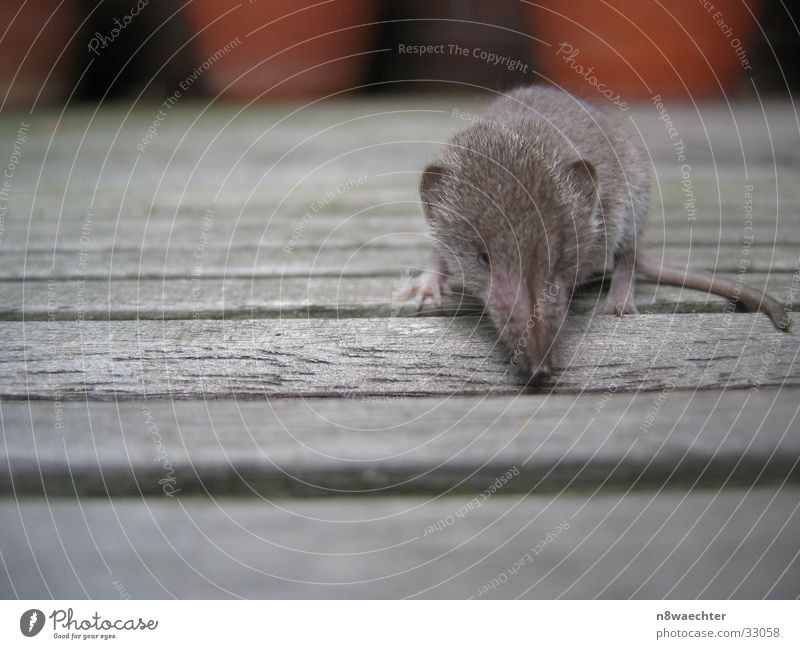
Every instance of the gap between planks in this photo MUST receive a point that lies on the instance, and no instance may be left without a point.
(439, 446)
(314, 297)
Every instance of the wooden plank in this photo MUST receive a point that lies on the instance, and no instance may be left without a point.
(313, 297)
(395, 229)
(384, 195)
(737, 543)
(399, 445)
(191, 201)
(412, 356)
(747, 129)
(252, 155)
(367, 193)
(340, 193)
(373, 260)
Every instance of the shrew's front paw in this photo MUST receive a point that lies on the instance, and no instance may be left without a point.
(428, 285)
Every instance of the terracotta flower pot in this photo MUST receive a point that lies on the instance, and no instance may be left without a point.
(243, 54)
(638, 49)
(47, 70)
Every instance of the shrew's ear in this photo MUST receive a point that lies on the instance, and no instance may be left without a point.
(583, 177)
(430, 188)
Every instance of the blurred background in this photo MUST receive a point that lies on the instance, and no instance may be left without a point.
(128, 50)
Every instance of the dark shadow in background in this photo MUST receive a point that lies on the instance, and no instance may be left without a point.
(498, 27)
(122, 73)
(151, 55)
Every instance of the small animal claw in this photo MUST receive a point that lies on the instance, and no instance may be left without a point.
(610, 307)
(427, 285)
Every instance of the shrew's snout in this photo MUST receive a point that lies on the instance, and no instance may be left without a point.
(528, 322)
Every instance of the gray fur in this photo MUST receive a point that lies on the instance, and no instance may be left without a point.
(516, 184)
(554, 191)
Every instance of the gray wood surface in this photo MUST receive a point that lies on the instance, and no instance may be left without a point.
(315, 297)
(371, 260)
(184, 389)
(382, 445)
(413, 356)
(738, 543)
(358, 222)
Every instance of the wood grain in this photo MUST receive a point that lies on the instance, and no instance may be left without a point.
(410, 356)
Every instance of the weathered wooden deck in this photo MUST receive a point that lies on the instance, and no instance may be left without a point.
(208, 389)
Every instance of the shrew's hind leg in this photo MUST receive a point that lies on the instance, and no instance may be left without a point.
(621, 294)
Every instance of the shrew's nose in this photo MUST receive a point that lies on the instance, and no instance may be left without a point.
(542, 371)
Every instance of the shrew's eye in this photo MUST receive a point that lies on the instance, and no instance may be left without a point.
(483, 258)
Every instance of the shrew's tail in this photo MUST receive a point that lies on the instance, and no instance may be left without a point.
(750, 297)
